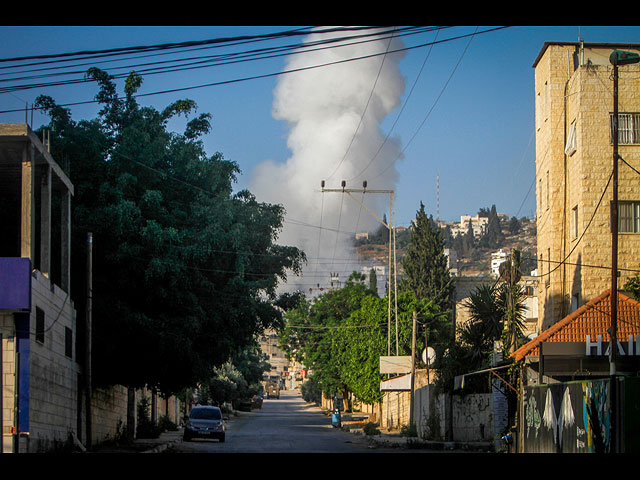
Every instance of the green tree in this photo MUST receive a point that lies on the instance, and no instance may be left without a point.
(363, 340)
(514, 226)
(496, 313)
(493, 236)
(373, 281)
(184, 271)
(307, 333)
(425, 265)
(343, 333)
(633, 286)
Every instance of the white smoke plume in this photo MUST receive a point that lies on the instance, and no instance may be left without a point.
(334, 115)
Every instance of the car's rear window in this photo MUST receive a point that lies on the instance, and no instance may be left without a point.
(206, 414)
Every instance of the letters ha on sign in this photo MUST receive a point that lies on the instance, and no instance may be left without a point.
(595, 348)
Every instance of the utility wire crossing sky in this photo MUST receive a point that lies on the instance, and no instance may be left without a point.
(439, 115)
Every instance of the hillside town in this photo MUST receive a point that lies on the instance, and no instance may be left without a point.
(128, 301)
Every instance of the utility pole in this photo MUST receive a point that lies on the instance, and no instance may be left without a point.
(413, 368)
(88, 337)
(616, 58)
(392, 243)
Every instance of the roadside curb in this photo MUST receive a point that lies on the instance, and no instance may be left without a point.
(395, 440)
(177, 438)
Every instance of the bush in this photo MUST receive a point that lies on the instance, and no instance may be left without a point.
(311, 391)
(164, 424)
(371, 428)
(146, 428)
(409, 430)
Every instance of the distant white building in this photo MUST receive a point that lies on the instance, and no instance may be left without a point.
(478, 224)
(381, 276)
(452, 261)
(379, 269)
(497, 259)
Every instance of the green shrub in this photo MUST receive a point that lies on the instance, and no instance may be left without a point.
(409, 430)
(146, 428)
(164, 424)
(371, 428)
(311, 391)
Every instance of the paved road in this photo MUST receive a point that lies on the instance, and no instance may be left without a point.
(285, 425)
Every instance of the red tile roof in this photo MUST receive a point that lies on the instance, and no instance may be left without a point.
(593, 319)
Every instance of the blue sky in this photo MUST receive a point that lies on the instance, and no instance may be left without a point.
(469, 118)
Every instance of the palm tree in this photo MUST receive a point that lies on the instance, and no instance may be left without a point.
(496, 313)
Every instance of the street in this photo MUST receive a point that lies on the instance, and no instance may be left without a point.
(285, 425)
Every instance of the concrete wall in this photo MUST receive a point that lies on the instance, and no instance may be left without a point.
(472, 416)
(55, 395)
(53, 374)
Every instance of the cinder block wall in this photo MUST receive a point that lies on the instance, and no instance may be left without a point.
(53, 374)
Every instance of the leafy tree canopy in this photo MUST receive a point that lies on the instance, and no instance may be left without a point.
(341, 335)
(184, 270)
(425, 265)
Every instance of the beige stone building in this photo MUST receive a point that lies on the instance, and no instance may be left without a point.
(574, 162)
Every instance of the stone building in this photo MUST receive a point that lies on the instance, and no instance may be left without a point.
(574, 163)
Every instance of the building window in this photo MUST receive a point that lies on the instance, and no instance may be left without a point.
(570, 148)
(546, 100)
(575, 301)
(547, 280)
(547, 188)
(68, 342)
(39, 325)
(629, 217)
(575, 231)
(628, 128)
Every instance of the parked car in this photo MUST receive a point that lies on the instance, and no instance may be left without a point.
(204, 422)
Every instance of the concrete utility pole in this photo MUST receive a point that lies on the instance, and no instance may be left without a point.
(413, 368)
(616, 58)
(392, 242)
(87, 373)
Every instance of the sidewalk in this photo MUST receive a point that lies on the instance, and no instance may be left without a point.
(354, 424)
(144, 445)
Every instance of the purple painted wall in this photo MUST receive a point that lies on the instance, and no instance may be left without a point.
(15, 283)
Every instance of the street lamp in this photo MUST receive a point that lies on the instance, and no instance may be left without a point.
(616, 58)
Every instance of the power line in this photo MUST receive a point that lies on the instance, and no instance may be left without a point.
(259, 76)
(399, 114)
(224, 59)
(434, 104)
(299, 31)
(297, 46)
(583, 232)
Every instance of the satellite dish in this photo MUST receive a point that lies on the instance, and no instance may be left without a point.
(429, 353)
